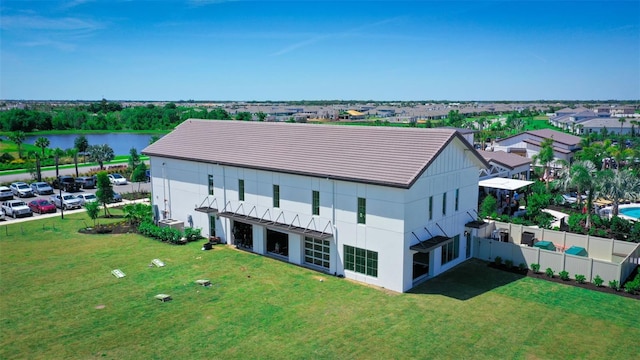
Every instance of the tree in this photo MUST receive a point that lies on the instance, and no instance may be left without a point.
(105, 191)
(618, 185)
(244, 116)
(544, 158)
(58, 153)
(82, 144)
(43, 143)
(261, 116)
(18, 138)
(93, 209)
(581, 176)
(622, 120)
(134, 159)
(488, 207)
(73, 152)
(100, 154)
(153, 139)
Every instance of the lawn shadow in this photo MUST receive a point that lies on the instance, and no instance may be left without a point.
(467, 280)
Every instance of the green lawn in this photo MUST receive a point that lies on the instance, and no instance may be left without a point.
(52, 279)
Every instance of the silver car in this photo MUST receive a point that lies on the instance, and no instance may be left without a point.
(21, 189)
(67, 201)
(41, 188)
(87, 198)
(5, 193)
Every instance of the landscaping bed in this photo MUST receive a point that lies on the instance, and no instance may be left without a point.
(572, 282)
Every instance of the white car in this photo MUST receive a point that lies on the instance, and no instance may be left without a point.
(117, 179)
(21, 189)
(572, 198)
(87, 198)
(5, 193)
(68, 201)
(16, 208)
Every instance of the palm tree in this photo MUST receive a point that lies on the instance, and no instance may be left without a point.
(544, 158)
(18, 138)
(622, 120)
(619, 185)
(42, 143)
(581, 176)
(58, 153)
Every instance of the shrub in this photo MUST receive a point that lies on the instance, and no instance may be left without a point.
(564, 275)
(581, 279)
(192, 234)
(522, 266)
(549, 272)
(498, 260)
(535, 268)
(508, 263)
(598, 281)
(614, 285)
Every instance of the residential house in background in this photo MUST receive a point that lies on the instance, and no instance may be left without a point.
(529, 144)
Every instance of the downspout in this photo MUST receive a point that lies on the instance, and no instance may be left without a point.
(333, 222)
(224, 198)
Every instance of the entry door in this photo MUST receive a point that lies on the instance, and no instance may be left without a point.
(420, 264)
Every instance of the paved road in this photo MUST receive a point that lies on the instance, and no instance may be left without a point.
(26, 177)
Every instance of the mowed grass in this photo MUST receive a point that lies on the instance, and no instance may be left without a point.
(55, 281)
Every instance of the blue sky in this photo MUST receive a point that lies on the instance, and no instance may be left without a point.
(310, 50)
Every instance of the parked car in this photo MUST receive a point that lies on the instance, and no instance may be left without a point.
(2, 214)
(87, 198)
(21, 189)
(41, 188)
(42, 206)
(66, 183)
(6, 193)
(16, 208)
(116, 197)
(86, 182)
(67, 201)
(117, 179)
(572, 198)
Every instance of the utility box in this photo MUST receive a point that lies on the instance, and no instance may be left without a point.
(172, 223)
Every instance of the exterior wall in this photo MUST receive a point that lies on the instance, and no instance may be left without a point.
(449, 172)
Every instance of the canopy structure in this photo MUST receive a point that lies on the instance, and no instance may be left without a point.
(504, 183)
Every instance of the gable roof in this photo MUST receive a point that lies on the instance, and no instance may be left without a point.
(557, 136)
(505, 159)
(388, 156)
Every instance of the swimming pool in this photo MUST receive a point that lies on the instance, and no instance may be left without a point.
(633, 212)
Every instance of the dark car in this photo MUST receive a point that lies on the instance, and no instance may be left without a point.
(67, 183)
(86, 182)
(42, 206)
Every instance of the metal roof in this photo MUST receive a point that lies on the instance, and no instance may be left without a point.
(388, 156)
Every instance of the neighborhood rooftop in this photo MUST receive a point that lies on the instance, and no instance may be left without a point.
(377, 155)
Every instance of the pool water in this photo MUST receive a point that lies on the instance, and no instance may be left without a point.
(634, 212)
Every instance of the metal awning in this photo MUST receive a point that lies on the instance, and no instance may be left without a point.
(207, 210)
(428, 245)
(278, 226)
(504, 183)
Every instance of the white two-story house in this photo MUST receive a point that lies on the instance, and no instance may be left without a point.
(382, 205)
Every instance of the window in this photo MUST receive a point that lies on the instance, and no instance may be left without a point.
(362, 211)
(444, 204)
(451, 251)
(315, 202)
(241, 189)
(316, 252)
(457, 198)
(361, 260)
(212, 225)
(430, 207)
(276, 196)
(210, 184)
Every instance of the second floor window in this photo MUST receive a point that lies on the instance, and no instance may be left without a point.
(362, 211)
(315, 202)
(241, 189)
(210, 184)
(276, 196)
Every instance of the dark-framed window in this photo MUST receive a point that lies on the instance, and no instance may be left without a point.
(241, 189)
(362, 211)
(212, 225)
(276, 196)
(315, 202)
(444, 204)
(210, 184)
(430, 207)
(457, 201)
(361, 260)
(451, 250)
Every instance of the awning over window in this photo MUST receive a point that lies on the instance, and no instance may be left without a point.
(206, 209)
(276, 225)
(428, 245)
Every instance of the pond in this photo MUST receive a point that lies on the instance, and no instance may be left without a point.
(121, 143)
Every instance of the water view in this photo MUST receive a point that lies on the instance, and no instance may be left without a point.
(121, 143)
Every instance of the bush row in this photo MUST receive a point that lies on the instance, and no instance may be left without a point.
(168, 234)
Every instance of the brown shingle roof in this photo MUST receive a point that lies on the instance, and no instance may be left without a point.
(511, 161)
(379, 155)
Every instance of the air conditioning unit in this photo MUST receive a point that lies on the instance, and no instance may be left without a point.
(172, 223)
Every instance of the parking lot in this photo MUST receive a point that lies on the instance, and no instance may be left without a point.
(121, 189)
